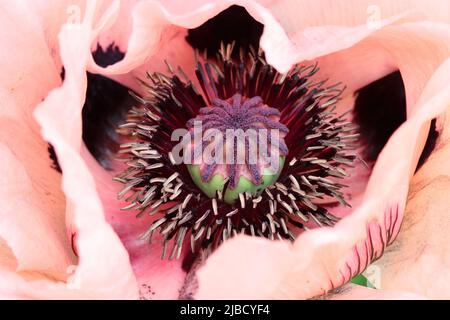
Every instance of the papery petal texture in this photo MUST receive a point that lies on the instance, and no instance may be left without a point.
(32, 218)
(103, 269)
(354, 46)
(419, 261)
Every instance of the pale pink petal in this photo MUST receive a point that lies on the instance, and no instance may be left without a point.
(32, 215)
(49, 17)
(152, 20)
(416, 50)
(157, 278)
(286, 38)
(7, 259)
(156, 35)
(419, 260)
(327, 26)
(103, 269)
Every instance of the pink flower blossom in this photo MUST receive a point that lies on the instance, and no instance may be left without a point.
(64, 236)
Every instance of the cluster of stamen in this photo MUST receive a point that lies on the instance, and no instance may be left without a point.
(243, 93)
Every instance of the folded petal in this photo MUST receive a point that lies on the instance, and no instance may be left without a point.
(32, 216)
(320, 32)
(103, 269)
(419, 260)
(157, 278)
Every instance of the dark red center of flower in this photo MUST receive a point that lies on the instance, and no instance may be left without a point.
(215, 201)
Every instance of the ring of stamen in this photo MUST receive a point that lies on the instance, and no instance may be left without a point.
(317, 148)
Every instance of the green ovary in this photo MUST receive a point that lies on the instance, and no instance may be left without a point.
(217, 183)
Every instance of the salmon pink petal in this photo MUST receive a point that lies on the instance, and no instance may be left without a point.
(157, 278)
(32, 224)
(382, 53)
(52, 16)
(49, 18)
(103, 269)
(32, 216)
(92, 192)
(419, 260)
(154, 34)
(342, 24)
(154, 23)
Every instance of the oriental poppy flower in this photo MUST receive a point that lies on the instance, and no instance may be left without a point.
(358, 96)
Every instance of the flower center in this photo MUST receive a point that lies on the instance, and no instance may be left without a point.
(265, 152)
(247, 147)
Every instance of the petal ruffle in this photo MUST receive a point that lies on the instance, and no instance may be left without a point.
(340, 26)
(423, 265)
(103, 270)
(32, 215)
(157, 278)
